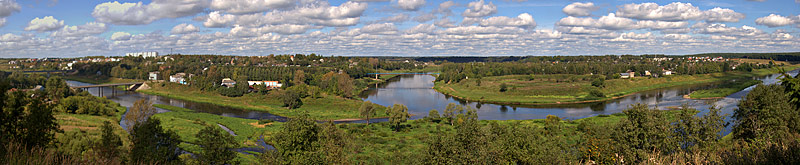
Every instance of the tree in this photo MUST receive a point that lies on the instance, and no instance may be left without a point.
(596, 93)
(57, 88)
(398, 114)
(151, 144)
(433, 115)
(298, 141)
(600, 83)
(450, 112)
(503, 87)
(334, 143)
(644, 131)
(109, 144)
(299, 77)
(217, 145)
(552, 124)
(141, 110)
(367, 109)
(766, 112)
(291, 99)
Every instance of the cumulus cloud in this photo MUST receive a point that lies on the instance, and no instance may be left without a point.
(677, 11)
(381, 28)
(88, 29)
(612, 22)
(184, 28)
(424, 17)
(7, 7)
(249, 6)
(479, 9)
(774, 20)
(579, 9)
(217, 20)
(47, 23)
(120, 36)
(402, 17)
(411, 5)
(421, 28)
(524, 20)
(140, 14)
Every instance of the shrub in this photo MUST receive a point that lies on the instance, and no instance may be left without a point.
(596, 93)
(230, 92)
(503, 87)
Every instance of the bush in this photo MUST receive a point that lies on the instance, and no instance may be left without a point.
(596, 93)
(503, 87)
(433, 115)
(598, 83)
(87, 105)
(291, 99)
(230, 92)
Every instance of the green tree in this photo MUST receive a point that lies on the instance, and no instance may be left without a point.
(433, 115)
(298, 141)
(398, 114)
(552, 124)
(217, 145)
(334, 144)
(600, 83)
(644, 131)
(291, 99)
(450, 112)
(299, 77)
(151, 144)
(57, 88)
(766, 112)
(503, 87)
(367, 110)
(109, 146)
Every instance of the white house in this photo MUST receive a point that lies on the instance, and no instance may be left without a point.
(268, 84)
(227, 82)
(178, 78)
(627, 75)
(142, 54)
(153, 75)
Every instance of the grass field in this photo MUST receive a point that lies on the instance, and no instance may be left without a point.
(723, 89)
(91, 124)
(549, 89)
(187, 123)
(325, 108)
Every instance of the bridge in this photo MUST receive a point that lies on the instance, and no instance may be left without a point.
(133, 86)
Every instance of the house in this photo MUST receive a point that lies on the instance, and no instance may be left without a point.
(667, 72)
(142, 54)
(268, 84)
(627, 75)
(153, 75)
(647, 73)
(227, 82)
(178, 78)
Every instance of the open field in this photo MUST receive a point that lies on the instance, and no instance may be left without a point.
(91, 124)
(558, 89)
(327, 107)
(723, 89)
(187, 123)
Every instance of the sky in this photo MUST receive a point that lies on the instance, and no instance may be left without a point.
(77, 28)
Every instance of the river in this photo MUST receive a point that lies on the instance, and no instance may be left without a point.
(415, 91)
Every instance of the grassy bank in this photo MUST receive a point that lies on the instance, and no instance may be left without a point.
(723, 89)
(327, 107)
(91, 124)
(187, 123)
(559, 89)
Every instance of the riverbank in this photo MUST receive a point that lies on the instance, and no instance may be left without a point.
(187, 123)
(723, 90)
(327, 107)
(572, 89)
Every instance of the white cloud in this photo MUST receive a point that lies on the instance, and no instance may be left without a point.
(381, 28)
(402, 17)
(88, 29)
(612, 22)
(677, 11)
(217, 20)
(479, 9)
(140, 14)
(8, 37)
(47, 23)
(774, 20)
(524, 20)
(287, 29)
(661, 25)
(579, 9)
(249, 6)
(7, 7)
(120, 36)
(184, 28)
(424, 17)
(421, 28)
(411, 5)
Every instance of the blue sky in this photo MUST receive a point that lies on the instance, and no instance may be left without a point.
(73, 28)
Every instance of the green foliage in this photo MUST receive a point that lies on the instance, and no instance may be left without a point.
(398, 114)
(217, 146)
(367, 110)
(87, 105)
(766, 112)
(140, 112)
(600, 82)
(153, 144)
(292, 98)
(74, 143)
(503, 87)
(57, 88)
(644, 131)
(433, 115)
(109, 146)
(298, 141)
(27, 120)
(596, 93)
(231, 92)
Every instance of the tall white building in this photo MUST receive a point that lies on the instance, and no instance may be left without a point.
(143, 54)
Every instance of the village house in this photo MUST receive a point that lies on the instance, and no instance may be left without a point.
(153, 75)
(227, 82)
(627, 75)
(268, 84)
(667, 72)
(179, 78)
